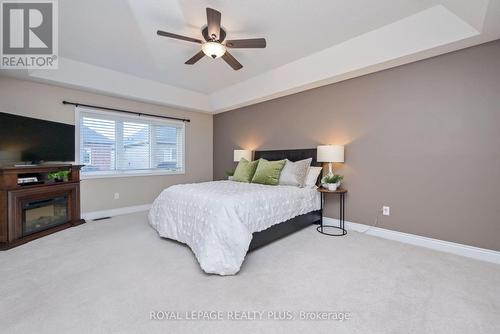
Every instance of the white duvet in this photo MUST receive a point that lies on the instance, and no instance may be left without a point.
(217, 219)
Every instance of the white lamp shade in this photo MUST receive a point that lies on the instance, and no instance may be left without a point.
(239, 154)
(330, 153)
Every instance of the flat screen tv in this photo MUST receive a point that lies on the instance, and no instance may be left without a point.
(30, 140)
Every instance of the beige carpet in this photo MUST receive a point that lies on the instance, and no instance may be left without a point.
(107, 276)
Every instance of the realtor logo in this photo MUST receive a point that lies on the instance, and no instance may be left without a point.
(29, 34)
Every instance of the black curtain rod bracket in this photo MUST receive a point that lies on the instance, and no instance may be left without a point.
(125, 111)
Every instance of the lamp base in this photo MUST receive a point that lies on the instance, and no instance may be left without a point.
(330, 170)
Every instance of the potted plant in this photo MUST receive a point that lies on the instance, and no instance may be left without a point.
(61, 176)
(332, 182)
(229, 174)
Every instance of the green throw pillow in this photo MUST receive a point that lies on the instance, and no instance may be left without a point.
(268, 172)
(245, 170)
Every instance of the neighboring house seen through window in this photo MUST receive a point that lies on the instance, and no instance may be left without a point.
(116, 144)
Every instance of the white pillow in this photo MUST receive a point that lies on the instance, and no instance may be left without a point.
(294, 173)
(312, 176)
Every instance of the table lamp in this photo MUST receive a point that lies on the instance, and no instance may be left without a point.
(242, 154)
(330, 154)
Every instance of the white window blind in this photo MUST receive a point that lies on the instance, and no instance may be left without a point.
(112, 143)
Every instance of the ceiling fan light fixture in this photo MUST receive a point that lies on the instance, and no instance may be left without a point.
(213, 49)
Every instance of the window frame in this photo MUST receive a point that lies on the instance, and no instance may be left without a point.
(131, 172)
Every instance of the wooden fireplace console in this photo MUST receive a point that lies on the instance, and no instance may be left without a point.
(17, 199)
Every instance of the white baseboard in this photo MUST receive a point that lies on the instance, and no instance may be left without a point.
(115, 212)
(436, 244)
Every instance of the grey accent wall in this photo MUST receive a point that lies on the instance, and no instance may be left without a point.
(44, 101)
(422, 138)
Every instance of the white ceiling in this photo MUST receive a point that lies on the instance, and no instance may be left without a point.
(111, 46)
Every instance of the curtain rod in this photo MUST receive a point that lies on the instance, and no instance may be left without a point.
(125, 111)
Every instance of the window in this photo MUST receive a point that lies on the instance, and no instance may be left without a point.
(112, 144)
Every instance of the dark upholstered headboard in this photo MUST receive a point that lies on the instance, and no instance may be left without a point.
(292, 155)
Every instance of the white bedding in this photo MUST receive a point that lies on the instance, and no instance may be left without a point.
(217, 219)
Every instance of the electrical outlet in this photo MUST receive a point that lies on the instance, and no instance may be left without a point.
(117, 196)
(386, 210)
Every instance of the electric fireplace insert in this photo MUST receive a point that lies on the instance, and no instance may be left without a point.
(40, 215)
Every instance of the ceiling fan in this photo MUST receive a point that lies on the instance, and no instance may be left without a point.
(214, 35)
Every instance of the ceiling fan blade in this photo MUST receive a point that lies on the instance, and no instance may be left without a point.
(246, 43)
(184, 38)
(213, 21)
(232, 61)
(195, 58)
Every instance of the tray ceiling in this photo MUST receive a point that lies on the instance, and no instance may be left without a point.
(112, 47)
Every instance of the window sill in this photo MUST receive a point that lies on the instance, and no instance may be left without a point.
(105, 175)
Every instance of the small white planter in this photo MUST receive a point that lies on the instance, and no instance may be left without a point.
(230, 178)
(331, 186)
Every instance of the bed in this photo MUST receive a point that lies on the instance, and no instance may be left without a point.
(222, 220)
